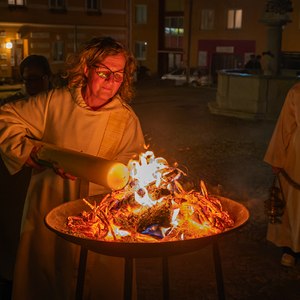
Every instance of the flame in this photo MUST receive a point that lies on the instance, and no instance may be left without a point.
(152, 207)
(147, 170)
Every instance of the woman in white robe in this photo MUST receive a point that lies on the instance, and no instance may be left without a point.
(75, 118)
(284, 153)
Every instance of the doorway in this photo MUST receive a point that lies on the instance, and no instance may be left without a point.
(221, 61)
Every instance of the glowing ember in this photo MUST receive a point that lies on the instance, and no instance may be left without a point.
(153, 207)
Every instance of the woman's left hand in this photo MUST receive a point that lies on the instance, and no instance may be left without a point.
(31, 163)
(64, 175)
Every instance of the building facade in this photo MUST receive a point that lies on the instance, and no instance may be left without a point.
(213, 35)
(162, 34)
(224, 33)
(144, 34)
(56, 28)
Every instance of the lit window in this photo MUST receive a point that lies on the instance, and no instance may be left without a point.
(141, 14)
(58, 51)
(234, 19)
(92, 5)
(207, 19)
(174, 32)
(16, 2)
(140, 50)
(58, 4)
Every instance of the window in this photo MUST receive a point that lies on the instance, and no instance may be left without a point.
(58, 51)
(174, 32)
(57, 4)
(141, 14)
(234, 19)
(207, 19)
(140, 50)
(92, 5)
(16, 2)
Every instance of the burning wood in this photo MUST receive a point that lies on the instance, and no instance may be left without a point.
(152, 207)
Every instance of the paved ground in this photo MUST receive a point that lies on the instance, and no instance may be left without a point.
(226, 153)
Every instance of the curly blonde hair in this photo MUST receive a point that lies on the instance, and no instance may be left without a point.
(95, 52)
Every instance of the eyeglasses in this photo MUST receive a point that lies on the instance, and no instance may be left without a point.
(33, 79)
(104, 72)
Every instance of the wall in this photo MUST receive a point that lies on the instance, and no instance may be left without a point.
(252, 29)
(239, 47)
(251, 96)
(147, 33)
(40, 27)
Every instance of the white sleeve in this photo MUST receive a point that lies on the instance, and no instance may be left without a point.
(277, 150)
(19, 120)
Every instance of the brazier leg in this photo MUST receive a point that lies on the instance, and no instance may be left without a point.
(218, 271)
(128, 278)
(81, 273)
(165, 269)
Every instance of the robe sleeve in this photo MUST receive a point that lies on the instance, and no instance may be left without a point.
(277, 150)
(19, 120)
(133, 143)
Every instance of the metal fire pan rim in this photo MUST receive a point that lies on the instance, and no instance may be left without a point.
(55, 220)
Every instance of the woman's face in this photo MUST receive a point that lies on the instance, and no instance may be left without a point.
(98, 89)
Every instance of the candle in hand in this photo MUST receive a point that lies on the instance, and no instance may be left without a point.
(111, 174)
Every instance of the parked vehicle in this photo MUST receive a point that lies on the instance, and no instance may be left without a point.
(198, 77)
(205, 79)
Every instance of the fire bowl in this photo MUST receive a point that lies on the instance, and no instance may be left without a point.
(56, 221)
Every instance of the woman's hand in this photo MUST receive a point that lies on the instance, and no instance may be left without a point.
(30, 163)
(64, 175)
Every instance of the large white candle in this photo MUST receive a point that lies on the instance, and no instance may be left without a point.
(111, 174)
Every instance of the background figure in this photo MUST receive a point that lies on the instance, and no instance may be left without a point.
(284, 156)
(92, 116)
(36, 73)
(250, 63)
(257, 64)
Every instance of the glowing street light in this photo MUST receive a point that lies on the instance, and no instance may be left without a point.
(9, 45)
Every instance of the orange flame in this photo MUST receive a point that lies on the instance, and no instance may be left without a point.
(152, 207)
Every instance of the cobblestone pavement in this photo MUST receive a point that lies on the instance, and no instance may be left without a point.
(226, 153)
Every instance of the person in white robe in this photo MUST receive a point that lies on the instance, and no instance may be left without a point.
(283, 154)
(77, 117)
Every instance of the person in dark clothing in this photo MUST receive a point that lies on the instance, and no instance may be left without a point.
(257, 64)
(36, 73)
(250, 63)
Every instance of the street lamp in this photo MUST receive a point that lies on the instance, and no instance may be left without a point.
(9, 45)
